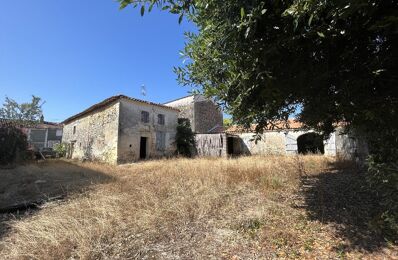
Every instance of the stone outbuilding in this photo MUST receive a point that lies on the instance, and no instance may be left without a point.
(121, 129)
(203, 113)
(282, 140)
(279, 140)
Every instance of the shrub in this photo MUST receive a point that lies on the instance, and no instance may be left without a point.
(13, 143)
(382, 176)
(185, 138)
(61, 149)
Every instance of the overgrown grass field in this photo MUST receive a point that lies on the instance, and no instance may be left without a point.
(246, 208)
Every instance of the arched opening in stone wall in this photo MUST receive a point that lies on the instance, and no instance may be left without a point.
(310, 143)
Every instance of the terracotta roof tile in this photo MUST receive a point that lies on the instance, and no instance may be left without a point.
(46, 125)
(109, 101)
(281, 125)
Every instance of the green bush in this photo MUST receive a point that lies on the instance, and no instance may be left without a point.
(61, 149)
(13, 143)
(383, 180)
(185, 138)
(382, 176)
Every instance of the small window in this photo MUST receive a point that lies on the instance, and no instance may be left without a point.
(74, 129)
(144, 116)
(161, 119)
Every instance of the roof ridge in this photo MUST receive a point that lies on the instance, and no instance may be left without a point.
(110, 100)
(178, 99)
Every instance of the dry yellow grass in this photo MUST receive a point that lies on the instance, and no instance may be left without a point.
(181, 209)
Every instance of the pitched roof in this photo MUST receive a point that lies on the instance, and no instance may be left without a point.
(280, 125)
(109, 101)
(171, 101)
(217, 130)
(45, 125)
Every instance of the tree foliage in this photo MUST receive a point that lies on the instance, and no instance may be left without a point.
(185, 138)
(13, 118)
(263, 59)
(13, 143)
(24, 112)
(227, 122)
(325, 61)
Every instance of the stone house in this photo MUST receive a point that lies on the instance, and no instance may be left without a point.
(204, 114)
(121, 129)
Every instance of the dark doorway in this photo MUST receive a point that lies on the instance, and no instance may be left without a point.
(143, 143)
(230, 145)
(310, 143)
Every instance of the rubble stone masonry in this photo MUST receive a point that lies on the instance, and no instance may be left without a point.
(94, 136)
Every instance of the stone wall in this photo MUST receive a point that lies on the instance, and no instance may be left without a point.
(186, 107)
(202, 113)
(96, 136)
(131, 129)
(350, 146)
(271, 143)
(207, 116)
(212, 145)
(291, 142)
(275, 143)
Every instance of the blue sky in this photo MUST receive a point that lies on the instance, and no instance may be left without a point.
(74, 53)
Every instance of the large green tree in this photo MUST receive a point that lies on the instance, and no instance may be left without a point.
(14, 116)
(333, 60)
(328, 61)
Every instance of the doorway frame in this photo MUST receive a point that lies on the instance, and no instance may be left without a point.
(143, 148)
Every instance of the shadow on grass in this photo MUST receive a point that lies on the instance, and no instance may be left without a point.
(340, 197)
(34, 184)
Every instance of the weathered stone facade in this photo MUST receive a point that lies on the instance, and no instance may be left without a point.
(113, 131)
(350, 145)
(186, 107)
(272, 143)
(282, 142)
(131, 129)
(279, 143)
(207, 116)
(211, 145)
(291, 137)
(203, 113)
(94, 136)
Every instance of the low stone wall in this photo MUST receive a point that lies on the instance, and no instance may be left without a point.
(270, 143)
(274, 143)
